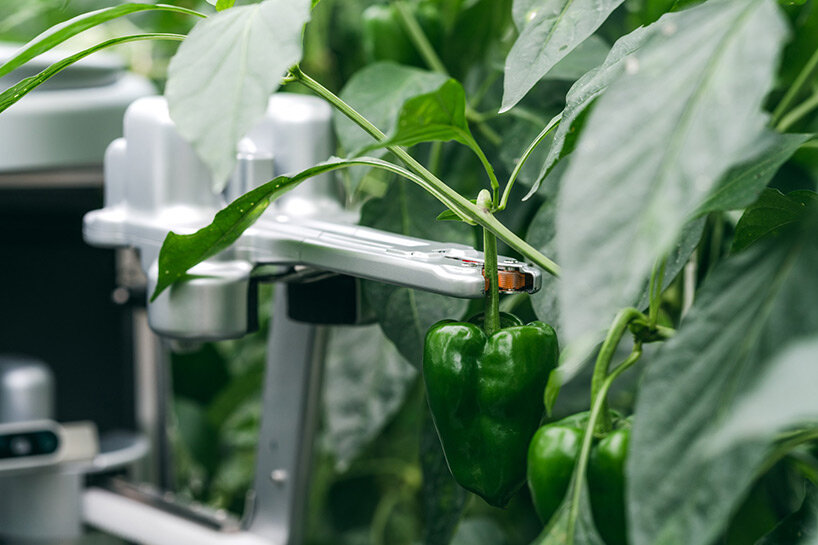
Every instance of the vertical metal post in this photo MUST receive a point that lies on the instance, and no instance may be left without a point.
(290, 406)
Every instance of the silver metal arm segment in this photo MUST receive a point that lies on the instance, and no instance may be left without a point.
(155, 184)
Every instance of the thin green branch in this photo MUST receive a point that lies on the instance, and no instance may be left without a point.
(603, 361)
(786, 445)
(526, 154)
(798, 113)
(795, 89)
(495, 184)
(490, 134)
(656, 279)
(523, 113)
(452, 199)
(418, 38)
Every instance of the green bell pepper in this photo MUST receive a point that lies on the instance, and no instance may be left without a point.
(486, 398)
(551, 458)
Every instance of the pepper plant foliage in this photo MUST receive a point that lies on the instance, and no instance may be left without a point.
(657, 159)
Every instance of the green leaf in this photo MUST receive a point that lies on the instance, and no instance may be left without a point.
(782, 397)
(62, 32)
(220, 80)
(14, 93)
(587, 56)
(678, 257)
(772, 213)
(549, 30)
(586, 89)
(405, 314)
(748, 310)
(366, 382)
(224, 4)
(438, 116)
(443, 499)
(542, 235)
(179, 253)
(623, 207)
(377, 92)
(742, 185)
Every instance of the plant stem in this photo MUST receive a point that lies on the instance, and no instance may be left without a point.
(786, 446)
(492, 309)
(603, 361)
(418, 38)
(526, 154)
(495, 184)
(798, 113)
(452, 199)
(598, 411)
(524, 114)
(656, 280)
(795, 89)
(435, 156)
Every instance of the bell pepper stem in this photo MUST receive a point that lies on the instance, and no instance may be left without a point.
(418, 38)
(656, 280)
(492, 312)
(603, 362)
(598, 411)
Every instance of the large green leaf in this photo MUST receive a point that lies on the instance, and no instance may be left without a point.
(687, 108)
(587, 56)
(405, 314)
(782, 397)
(742, 185)
(747, 312)
(549, 30)
(377, 92)
(586, 89)
(365, 383)
(221, 78)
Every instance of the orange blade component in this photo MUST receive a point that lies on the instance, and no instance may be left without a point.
(512, 281)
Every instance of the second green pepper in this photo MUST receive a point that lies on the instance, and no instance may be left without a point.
(486, 398)
(551, 458)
